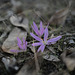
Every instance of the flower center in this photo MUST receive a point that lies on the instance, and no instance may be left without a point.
(44, 42)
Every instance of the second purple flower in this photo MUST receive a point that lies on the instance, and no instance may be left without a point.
(22, 46)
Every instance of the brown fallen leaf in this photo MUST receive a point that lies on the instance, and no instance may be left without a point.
(20, 21)
(11, 41)
(60, 16)
(68, 58)
(49, 57)
(28, 68)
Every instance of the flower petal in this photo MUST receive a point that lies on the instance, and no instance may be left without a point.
(46, 34)
(13, 50)
(35, 26)
(19, 43)
(16, 51)
(41, 29)
(35, 37)
(20, 46)
(51, 41)
(35, 30)
(41, 48)
(24, 44)
(36, 44)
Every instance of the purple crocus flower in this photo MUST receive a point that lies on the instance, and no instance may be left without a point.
(23, 46)
(35, 28)
(43, 42)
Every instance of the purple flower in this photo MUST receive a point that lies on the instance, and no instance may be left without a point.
(38, 32)
(23, 46)
(43, 42)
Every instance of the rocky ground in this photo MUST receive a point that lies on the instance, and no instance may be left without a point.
(16, 17)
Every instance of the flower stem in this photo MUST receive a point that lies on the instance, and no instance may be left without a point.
(36, 62)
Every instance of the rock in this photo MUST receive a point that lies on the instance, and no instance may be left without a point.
(11, 41)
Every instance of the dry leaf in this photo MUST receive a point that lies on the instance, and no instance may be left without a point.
(59, 17)
(50, 57)
(28, 68)
(68, 58)
(51, 49)
(11, 41)
(19, 21)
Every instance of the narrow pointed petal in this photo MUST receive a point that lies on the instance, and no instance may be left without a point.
(41, 29)
(46, 34)
(43, 47)
(24, 44)
(36, 44)
(20, 46)
(19, 43)
(35, 30)
(35, 37)
(35, 26)
(51, 41)
(16, 51)
(23, 40)
(39, 48)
